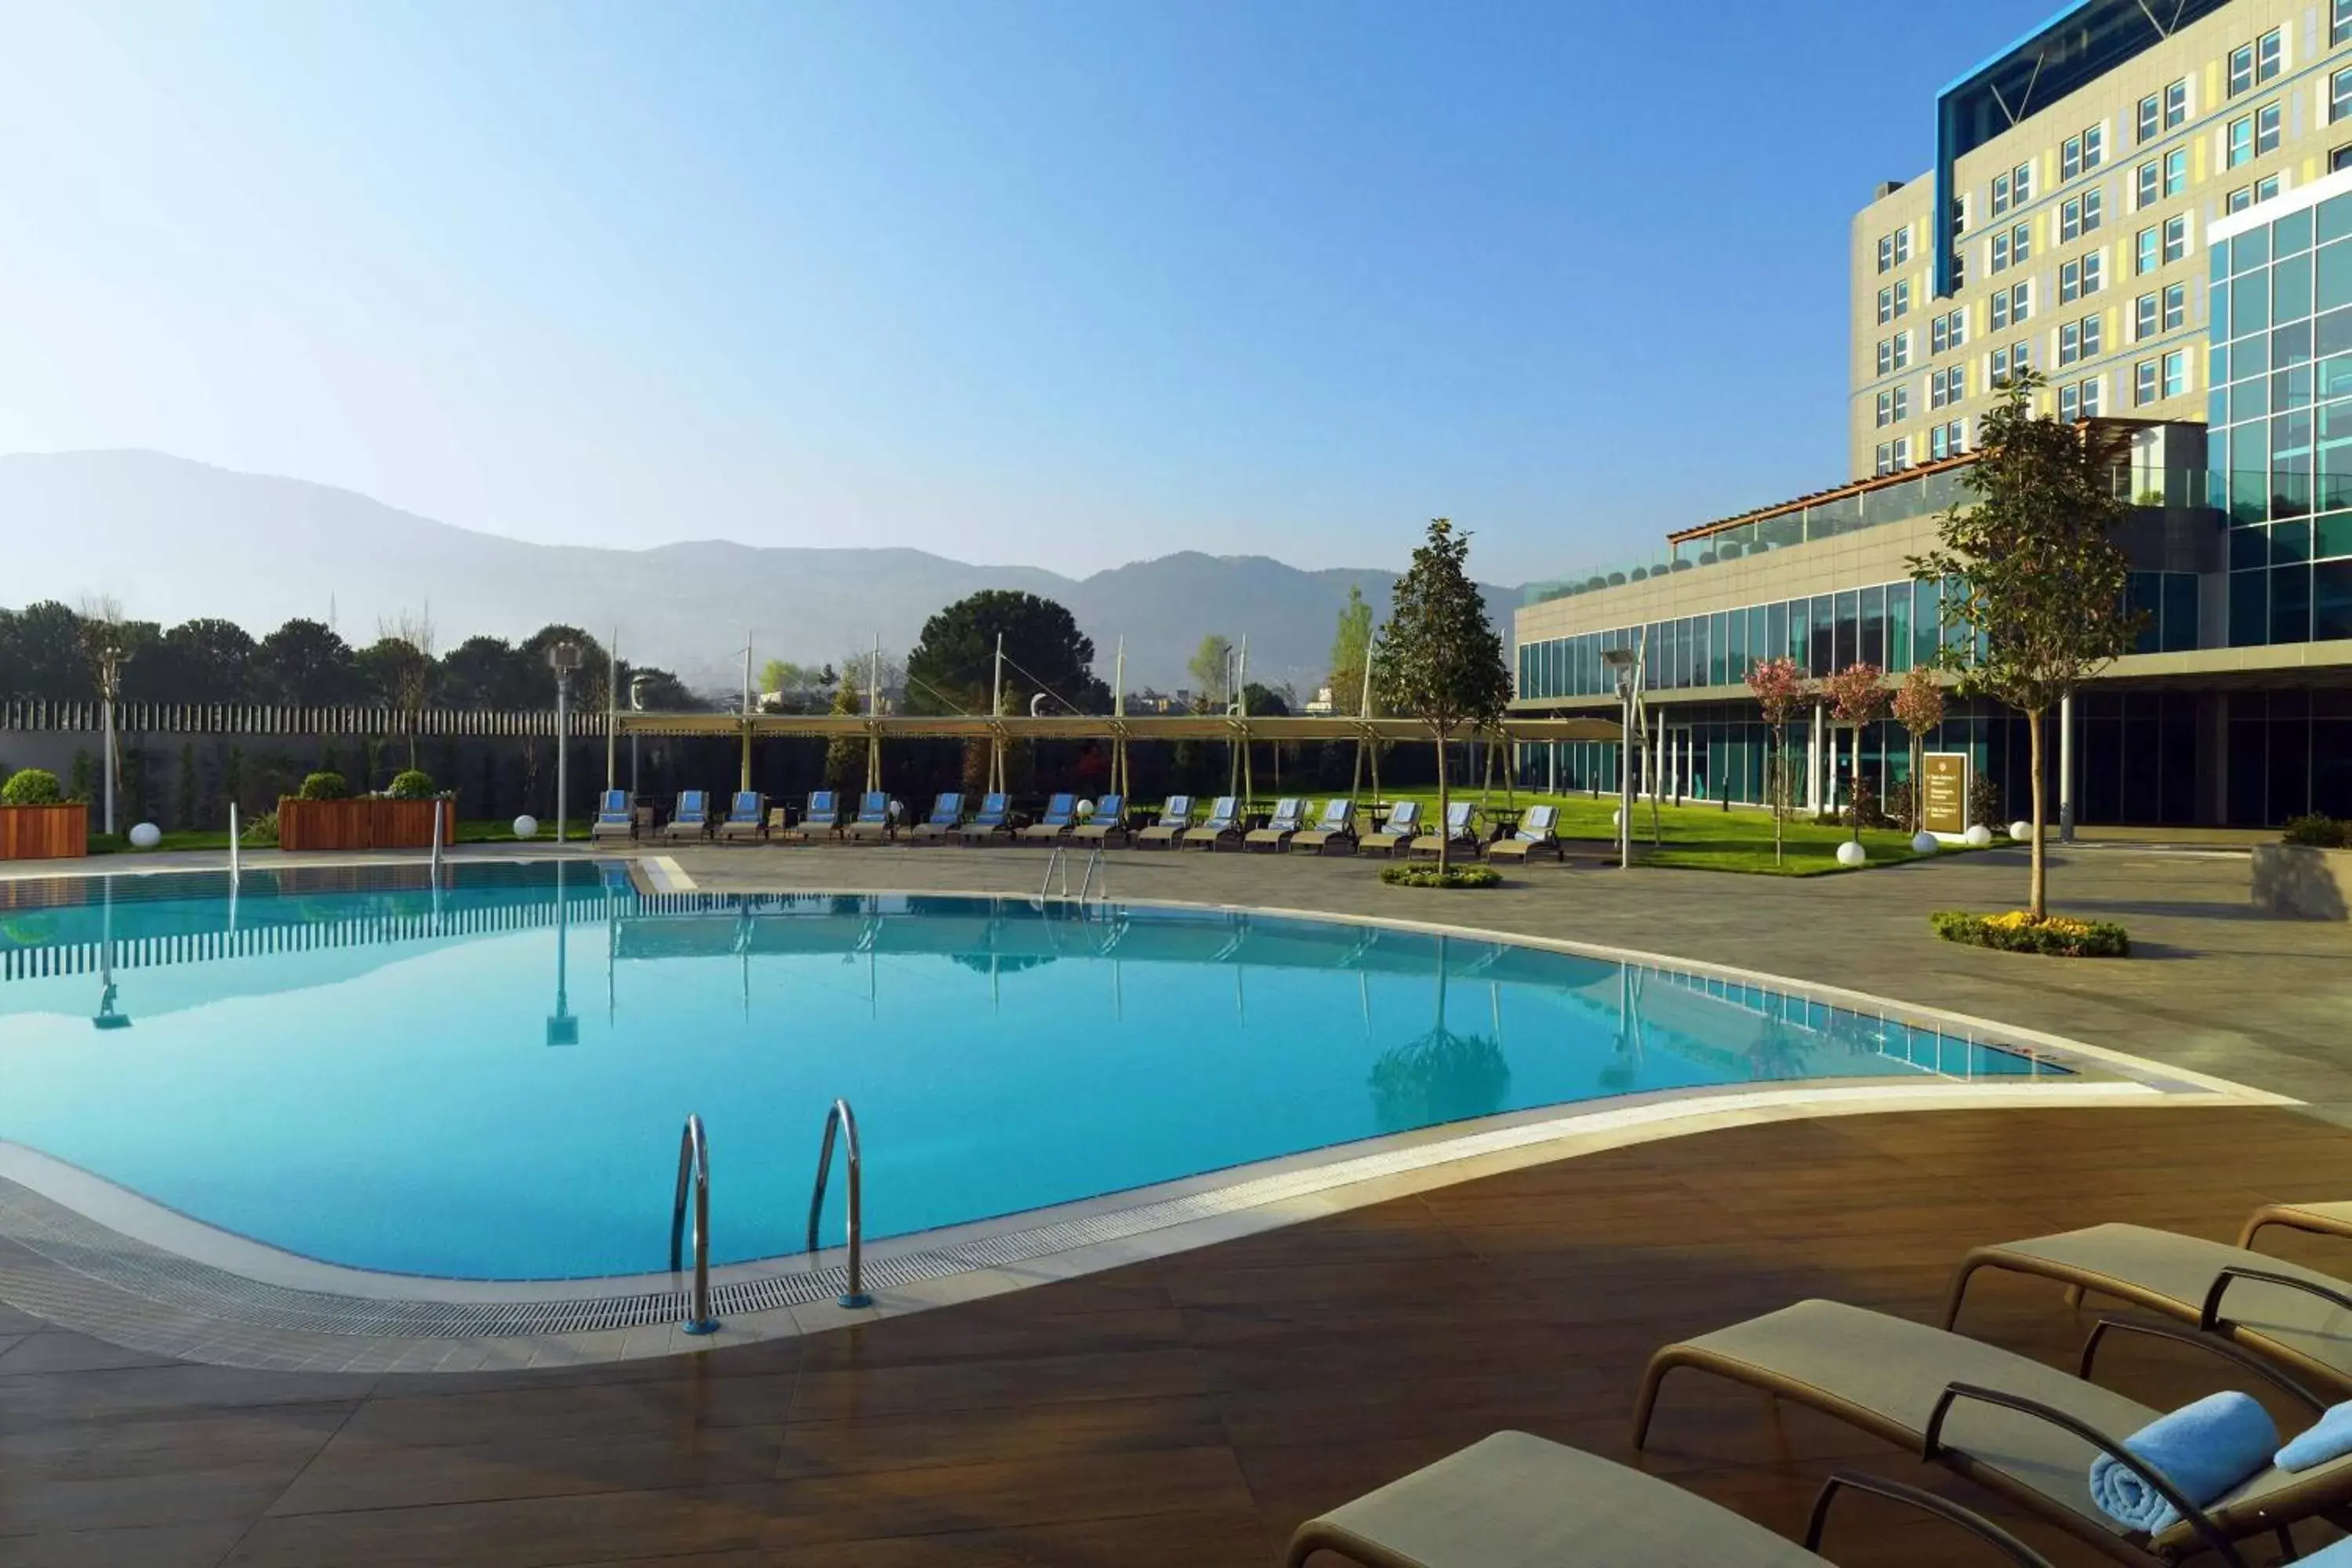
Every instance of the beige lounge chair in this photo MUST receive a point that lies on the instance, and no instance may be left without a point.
(614, 817)
(1175, 816)
(946, 811)
(1108, 822)
(2298, 1317)
(1537, 835)
(1061, 814)
(1223, 823)
(2013, 1425)
(1515, 1501)
(1289, 817)
(1333, 831)
(1403, 826)
(1459, 833)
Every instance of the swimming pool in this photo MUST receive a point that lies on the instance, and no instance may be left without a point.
(488, 1081)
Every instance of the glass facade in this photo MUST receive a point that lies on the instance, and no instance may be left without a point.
(2280, 422)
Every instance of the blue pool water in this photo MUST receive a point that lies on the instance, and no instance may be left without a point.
(353, 1067)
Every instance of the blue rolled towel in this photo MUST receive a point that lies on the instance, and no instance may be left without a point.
(2330, 1437)
(2202, 1449)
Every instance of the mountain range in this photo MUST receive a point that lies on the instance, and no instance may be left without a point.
(173, 538)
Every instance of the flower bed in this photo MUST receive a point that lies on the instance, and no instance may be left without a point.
(2055, 936)
(1430, 877)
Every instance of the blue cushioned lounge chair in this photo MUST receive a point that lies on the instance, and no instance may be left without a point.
(1109, 819)
(1224, 824)
(874, 820)
(1334, 832)
(1289, 817)
(613, 817)
(747, 816)
(1060, 815)
(692, 819)
(946, 811)
(1175, 816)
(992, 819)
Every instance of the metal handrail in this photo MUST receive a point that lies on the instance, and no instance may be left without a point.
(1052, 861)
(1094, 864)
(694, 1167)
(840, 1117)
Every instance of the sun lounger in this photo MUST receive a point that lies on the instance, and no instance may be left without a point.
(1060, 815)
(946, 811)
(780, 822)
(692, 817)
(1333, 831)
(747, 816)
(1175, 816)
(1289, 815)
(874, 818)
(992, 819)
(823, 816)
(1536, 835)
(2027, 1431)
(1515, 1501)
(1223, 823)
(2298, 1317)
(1108, 821)
(1459, 833)
(614, 819)
(1403, 822)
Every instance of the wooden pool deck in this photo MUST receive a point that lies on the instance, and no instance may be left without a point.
(1189, 1410)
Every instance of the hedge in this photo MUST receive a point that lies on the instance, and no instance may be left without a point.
(2018, 931)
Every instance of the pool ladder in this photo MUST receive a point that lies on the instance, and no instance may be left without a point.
(1059, 860)
(842, 1120)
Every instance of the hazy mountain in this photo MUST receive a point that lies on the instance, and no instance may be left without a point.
(171, 539)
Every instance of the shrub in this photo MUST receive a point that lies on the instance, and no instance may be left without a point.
(2017, 931)
(2319, 832)
(31, 786)
(1898, 802)
(1862, 806)
(411, 784)
(1984, 801)
(323, 786)
(261, 832)
(1430, 877)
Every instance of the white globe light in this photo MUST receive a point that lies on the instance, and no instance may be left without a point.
(1978, 837)
(526, 827)
(1852, 854)
(2020, 831)
(1085, 810)
(146, 836)
(1925, 843)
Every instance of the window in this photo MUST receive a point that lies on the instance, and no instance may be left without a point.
(1902, 245)
(1946, 387)
(1894, 406)
(2144, 381)
(2238, 146)
(2264, 189)
(1892, 457)
(2176, 374)
(1901, 404)
(2176, 239)
(2266, 130)
(2078, 341)
(1885, 253)
(2079, 279)
(2144, 186)
(1887, 356)
(2021, 183)
(2144, 251)
(2082, 153)
(2339, 22)
(2240, 199)
(2176, 105)
(1947, 331)
(2011, 306)
(2339, 94)
(2176, 307)
(1902, 351)
(1959, 268)
(2176, 171)
(2151, 108)
(2015, 359)
(2270, 54)
(1960, 213)
(2079, 400)
(2144, 317)
(1886, 306)
(2079, 217)
(2241, 68)
(2341, 158)
(1949, 440)
(1902, 297)
(2000, 194)
(2001, 251)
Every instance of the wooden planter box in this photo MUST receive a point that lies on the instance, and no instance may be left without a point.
(362, 824)
(43, 832)
(2302, 882)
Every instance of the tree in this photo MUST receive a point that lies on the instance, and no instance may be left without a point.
(1439, 658)
(661, 691)
(844, 755)
(1919, 708)
(404, 643)
(952, 665)
(1351, 651)
(1781, 689)
(1857, 696)
(202, 660)
(788, 688)
(487, 673)
(1212, 671)
(2041, 581)
(304, 664)
(41, 654)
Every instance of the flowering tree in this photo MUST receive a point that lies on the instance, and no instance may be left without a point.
(1919, 708)
(1857, 696)
(1781, 689)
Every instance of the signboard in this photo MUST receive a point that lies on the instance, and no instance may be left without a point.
(1944, 808)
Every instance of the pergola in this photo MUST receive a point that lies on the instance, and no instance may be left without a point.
(1119, 729)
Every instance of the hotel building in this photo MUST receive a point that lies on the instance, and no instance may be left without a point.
(2151, 205)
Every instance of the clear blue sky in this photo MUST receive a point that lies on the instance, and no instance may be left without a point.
(1071, 284)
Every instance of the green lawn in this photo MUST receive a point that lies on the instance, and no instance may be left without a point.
(1702, 838)
(502, 832)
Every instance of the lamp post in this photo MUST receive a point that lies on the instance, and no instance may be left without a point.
(563, 657)
(1622, 662)
(638, 686)
(107, 649)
